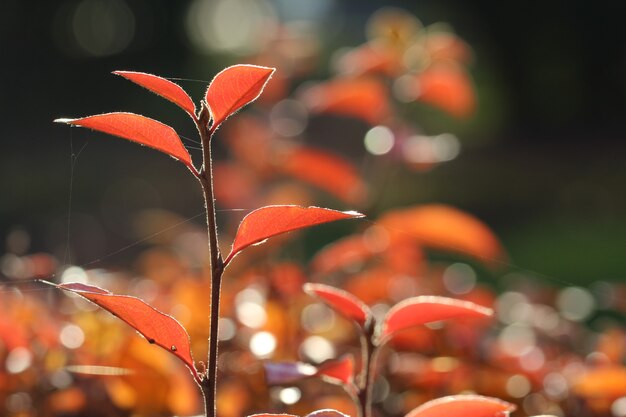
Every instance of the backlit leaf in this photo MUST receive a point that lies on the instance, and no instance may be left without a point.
(444, 227)
(269, 221)
(341, 301)
(463, 405)
(233, 88)
(425, 309)
(137, 128)
(158, 328)
(163, 87)
(338, 370)
(326, 171)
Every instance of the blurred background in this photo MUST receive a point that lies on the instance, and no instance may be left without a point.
(513, 113)
(541, 160)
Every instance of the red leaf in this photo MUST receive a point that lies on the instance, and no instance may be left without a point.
(326, 171)
(340, 370)
(156, 327)
(163, 87)
(465, 405)
(424, 309)
(269, 221)
(138, 129)
(341, 301)
(233, 88)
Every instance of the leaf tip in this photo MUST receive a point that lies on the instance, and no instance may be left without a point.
(354, 214)
(121, 73)
(43, 281)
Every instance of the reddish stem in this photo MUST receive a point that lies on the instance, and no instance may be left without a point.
(209, 383)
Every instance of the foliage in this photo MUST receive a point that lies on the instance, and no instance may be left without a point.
(388, 276)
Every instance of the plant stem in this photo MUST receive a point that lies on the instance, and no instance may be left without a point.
(366, 377)
(209, 383)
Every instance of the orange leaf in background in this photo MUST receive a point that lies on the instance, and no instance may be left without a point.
(12, 333)
(445, 46)
(326, 171)
(370, 58)
(163, 87)
(156, 327)
(612, 343)
(606, 382)
(287, 278)
(363, 98)
(233, 398)
(341, 301)
(67, 401)
(465, 405)
(340, 254)
(137, 128)
(446, 228)
(404, 256)
(233, 88)
(269, 221)
(371, 285)
(448, 88)
(425, 309)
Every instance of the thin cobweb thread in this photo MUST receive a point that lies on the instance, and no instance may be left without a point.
(67, 257)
